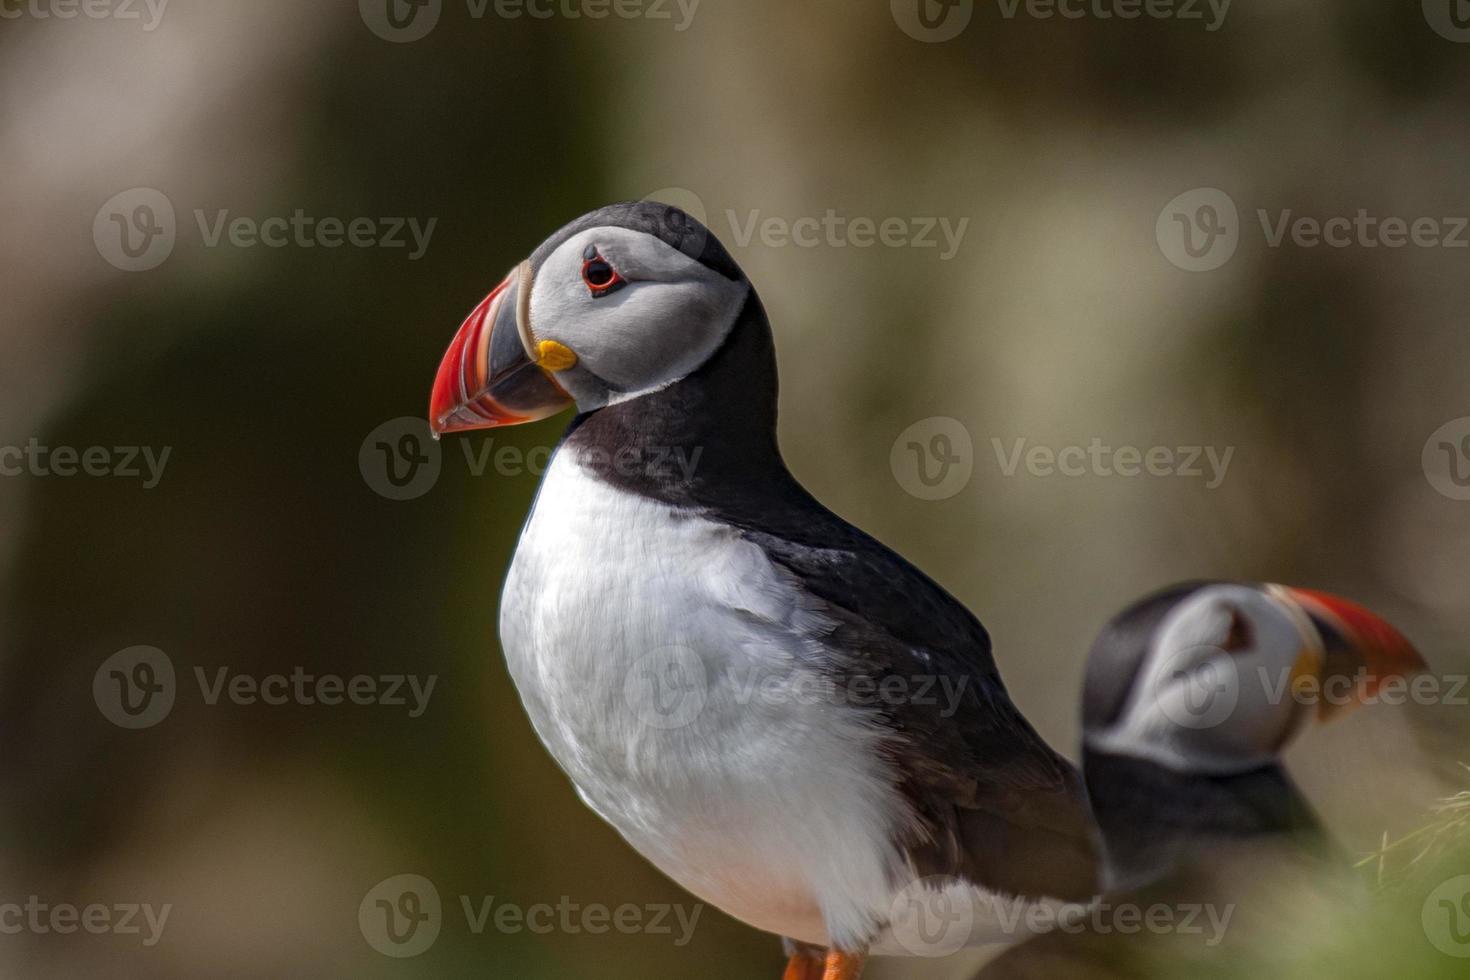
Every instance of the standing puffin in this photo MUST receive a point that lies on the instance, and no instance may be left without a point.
(838, 729)
(1190, 698)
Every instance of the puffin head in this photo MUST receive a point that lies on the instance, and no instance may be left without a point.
(1216, 679)
(624, 301)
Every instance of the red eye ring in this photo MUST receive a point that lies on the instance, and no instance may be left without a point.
(600, 276)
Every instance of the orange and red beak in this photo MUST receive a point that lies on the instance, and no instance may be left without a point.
(1359, 648)
(488, 377)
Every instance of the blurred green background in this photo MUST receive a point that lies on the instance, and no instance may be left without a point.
(1059, 319)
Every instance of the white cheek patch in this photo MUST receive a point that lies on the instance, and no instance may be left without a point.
(662, 326)
(1194, 706)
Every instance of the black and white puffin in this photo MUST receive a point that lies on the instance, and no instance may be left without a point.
(1190, 698)
(743, 684)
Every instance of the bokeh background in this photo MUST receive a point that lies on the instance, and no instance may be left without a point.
(267, 545)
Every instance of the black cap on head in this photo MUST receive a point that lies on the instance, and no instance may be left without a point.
(664, 221)
(1119, 651)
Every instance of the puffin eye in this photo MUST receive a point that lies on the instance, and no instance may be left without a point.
(1242, 635)
(598, 273)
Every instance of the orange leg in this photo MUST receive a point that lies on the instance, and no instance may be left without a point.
(844, 966)
(803, 966)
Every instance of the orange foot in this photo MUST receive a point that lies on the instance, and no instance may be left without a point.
(844, 966)
(804, 965)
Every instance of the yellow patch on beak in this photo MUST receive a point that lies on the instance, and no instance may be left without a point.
(555, 357)
(1306, 673)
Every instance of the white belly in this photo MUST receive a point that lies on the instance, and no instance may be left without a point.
(654, 652)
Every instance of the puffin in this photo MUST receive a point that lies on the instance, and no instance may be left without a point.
(1189, 699)
(783, 715)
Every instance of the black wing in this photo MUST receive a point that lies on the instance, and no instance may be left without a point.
(997, 806)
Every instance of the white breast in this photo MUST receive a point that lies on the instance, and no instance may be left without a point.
(655, 652)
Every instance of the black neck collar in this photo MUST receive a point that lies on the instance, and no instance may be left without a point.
(1154, 819)
(708, 440)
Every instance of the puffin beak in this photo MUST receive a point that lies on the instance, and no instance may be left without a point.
(1360, 652)
(488, 377)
